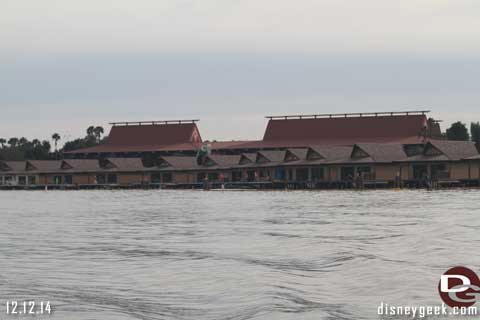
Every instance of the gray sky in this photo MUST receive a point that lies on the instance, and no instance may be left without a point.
(67, 64)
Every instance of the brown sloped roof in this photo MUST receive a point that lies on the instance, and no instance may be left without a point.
(181, 162)
(44, 165)
(82, 165)
(225, 161)
(250, 155)
(288, 143)
(273, 155)
(384, 152)
(156, 134)
(149, 137)
(14, 167)
(300, 153)
(477, 157)
(365, 128)
(105, 148)
(423, 158)
(455, 150)
(127, 164)
(333, 153)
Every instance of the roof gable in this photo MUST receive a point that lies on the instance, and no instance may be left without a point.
(106, 164)
(295, 154)
(247, 158)
(13, 166)
(65, 165)
(43, 165)
(358, 153)
(380, 152)
(454, 150)
(431, 150)
(222, 160)
(209, 162)
(178, 162)
(333, 153)
(30, 167)
(270, 156)
(162, 163)
(80, 164)
(413, 149)
(4, 166)
(261, 158)
(312, 154)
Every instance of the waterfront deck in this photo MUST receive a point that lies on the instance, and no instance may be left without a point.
(258, 185)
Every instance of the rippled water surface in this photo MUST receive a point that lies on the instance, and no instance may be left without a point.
(116, 255)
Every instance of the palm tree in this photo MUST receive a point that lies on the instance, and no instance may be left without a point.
(13, 142)
(23, 141)
(36, 142)
(2, 142)
(98, 131)
(55, 138)
(90, 130)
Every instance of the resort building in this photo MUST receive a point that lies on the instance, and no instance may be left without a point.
(304, 151)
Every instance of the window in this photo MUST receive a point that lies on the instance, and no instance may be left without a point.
(420, 171)
(317, 174)
(302, 174)
(236, 176)
(347, 173)
(213, 176)
(155, 178)
(439, 171)
(32, 180)
(167, 177)
(100, 179)
(265, 173)
(57, 180)
(201, 176)
(365, 173)
(112, 178)
(290, 174)
(280, 174)
(250, 175)
(68, 179)
(22, 180)
(364, 169)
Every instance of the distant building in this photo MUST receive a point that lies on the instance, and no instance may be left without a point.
(183, 136)
(302, 151)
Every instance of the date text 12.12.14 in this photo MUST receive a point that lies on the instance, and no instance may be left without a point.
(28, 307)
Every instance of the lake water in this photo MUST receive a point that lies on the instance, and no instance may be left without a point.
(159, 254)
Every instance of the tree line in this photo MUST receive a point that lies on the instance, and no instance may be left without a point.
(18, 149)
(458, 131)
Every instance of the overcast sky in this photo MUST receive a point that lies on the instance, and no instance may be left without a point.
(67, 64)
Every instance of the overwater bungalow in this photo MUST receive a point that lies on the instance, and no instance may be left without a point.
(392, 149)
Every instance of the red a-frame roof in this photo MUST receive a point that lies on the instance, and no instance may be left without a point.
(359, 128)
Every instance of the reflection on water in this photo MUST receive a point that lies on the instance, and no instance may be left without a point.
(232, 255)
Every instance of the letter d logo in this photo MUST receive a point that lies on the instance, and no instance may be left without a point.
(457, 286)
(444, 278)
